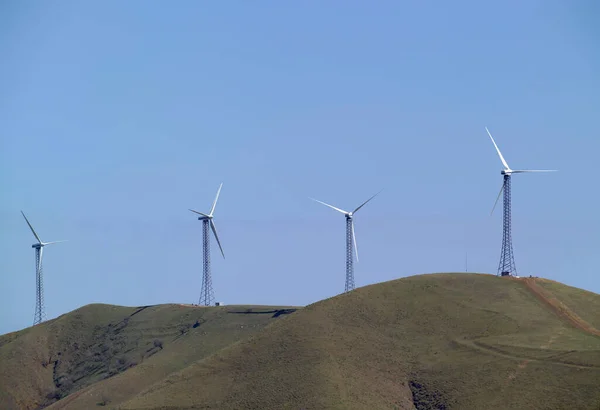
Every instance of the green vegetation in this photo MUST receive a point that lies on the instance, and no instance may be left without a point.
(437, 341)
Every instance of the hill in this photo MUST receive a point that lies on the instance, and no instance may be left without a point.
(438, 341)
(93, 346)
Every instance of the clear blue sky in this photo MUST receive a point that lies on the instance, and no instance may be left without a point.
(116, 117)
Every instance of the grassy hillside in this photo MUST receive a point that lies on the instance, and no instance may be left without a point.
(91, 346)
(586, 304)
(439, 341)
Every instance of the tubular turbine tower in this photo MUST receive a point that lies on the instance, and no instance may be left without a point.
(350, 239)
(207, 296)
(40, 312)
(507, 266)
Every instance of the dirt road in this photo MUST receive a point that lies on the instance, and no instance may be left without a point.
(559, 308)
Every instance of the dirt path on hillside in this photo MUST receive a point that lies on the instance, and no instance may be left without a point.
(559, 308)
(523, 359)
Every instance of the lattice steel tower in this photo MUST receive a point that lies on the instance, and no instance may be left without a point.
(350, 240)
(507, 259)
(349, 258)
(507, 266)
(39, 315)
(207, 296)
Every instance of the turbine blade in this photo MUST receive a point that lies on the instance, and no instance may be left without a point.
(364, 203)
(331, 206)
(50, 243)
(200, 213)
(354, 239)
(497, 198)
(214, 229)
(31, 227)
(521, 171)
(212, 210)
(498, 149)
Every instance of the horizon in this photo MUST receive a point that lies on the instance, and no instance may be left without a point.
(258, 305)
(118, 118)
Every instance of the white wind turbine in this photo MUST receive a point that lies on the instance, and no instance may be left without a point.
(507, 266)
(207, 296)
(350, 240)
(40, 313)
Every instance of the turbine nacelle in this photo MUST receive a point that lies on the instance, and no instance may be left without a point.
(41, 245)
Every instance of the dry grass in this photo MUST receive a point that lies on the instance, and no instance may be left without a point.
(559, 308)
(436, 341)
(91, 347)
(586, 304)
(410, 343)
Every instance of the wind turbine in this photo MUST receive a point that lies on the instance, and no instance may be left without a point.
(40, 313)
(507, 265)
(207, 296)
(350, 239)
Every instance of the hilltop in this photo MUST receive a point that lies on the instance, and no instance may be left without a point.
(97, 344)
(437, 341)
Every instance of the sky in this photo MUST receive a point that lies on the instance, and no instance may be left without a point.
(117, 117)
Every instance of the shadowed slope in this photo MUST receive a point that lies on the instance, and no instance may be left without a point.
(93, 345)
(427, 342)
